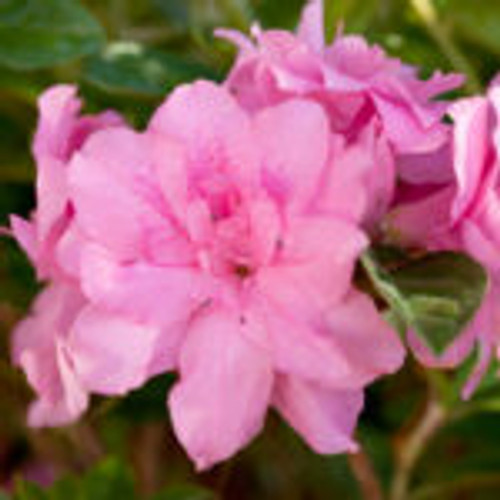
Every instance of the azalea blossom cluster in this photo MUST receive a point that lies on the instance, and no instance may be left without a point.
(220, 243)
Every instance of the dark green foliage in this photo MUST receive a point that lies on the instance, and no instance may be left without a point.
(111, 479)
(41, 33)
(126, 67)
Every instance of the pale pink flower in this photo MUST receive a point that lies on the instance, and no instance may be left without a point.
(60, 132)
(68, 348)
(232, 233)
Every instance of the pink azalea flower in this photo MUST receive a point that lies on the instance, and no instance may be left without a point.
(463, 216)
(232, 234)
(60, 132)
(55, 346)
(353, 80)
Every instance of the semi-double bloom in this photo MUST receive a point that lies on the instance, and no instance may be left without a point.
(219, 243)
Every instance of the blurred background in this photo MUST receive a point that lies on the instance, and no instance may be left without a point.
(127, 55)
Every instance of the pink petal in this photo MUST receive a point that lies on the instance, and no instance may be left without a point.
(58, 108)
(422, 223)
(472, 121)
(479, 244)
(299, 348)
(69, 249)
(67, 401)
(52, 195)
(112, 355)
(155, 295)
(366, 341)
(311, 27)
(114, 171)
(325, 418)
(265, 223)
(239, 40)
(60, 132)
(213, 128)
(294, 137)
(220, 402)
(343, 189)
(304, 264)
(434, 167)
(25, 234)
(405, 131)
(380, 175)
(171, 169)
(39, 348)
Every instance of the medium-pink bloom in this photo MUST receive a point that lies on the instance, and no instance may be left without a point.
(220, 229)
(353, 80)
(365, 94)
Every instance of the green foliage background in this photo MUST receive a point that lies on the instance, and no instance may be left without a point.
(128, 54)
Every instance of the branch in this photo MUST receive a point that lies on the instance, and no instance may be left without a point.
(413, 446)
(366, 477)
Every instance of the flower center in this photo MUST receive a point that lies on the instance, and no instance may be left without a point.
(242, 271)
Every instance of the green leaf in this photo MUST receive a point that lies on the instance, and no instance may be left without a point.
(237, 12)
(40, 33)
(356, 15)
(65, 489)
(110, 480)
(127, 67)
(147, 403)
(329, 19)
(436, 295)
(176, 11)
(279, 14)
(26, 490)
(476, 21)
(185, 492)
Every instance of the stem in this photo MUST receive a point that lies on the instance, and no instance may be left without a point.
(441, 34)
(413, 446)
(362, 469)
(470, 482)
